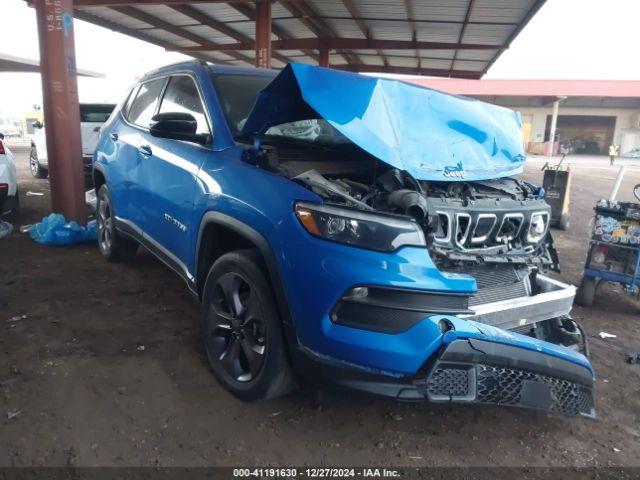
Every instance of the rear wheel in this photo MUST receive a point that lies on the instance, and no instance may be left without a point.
(587, 291)
(34, 165)
(242, 331)
(112, 245)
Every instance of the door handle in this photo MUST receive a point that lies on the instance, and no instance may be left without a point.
(145, 150)
(114, 136)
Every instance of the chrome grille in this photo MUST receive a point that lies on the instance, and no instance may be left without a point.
(468, 230)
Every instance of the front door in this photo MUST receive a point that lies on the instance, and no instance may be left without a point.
(169, 175)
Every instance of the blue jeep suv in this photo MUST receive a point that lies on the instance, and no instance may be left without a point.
(345, 230)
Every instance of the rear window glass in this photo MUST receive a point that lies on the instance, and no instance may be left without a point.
(145, 103)
(95, 113)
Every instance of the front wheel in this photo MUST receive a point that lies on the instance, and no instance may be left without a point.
(34, 165)
(242, 331)
(112, 245)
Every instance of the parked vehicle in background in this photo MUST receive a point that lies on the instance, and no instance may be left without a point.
(8, 127)
(92, 117)
(9, 199)
(345, 230)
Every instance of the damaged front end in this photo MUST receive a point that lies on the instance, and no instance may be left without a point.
(433, 173)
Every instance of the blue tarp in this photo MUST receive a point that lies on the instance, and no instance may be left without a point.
(430, 134)
(55, 230)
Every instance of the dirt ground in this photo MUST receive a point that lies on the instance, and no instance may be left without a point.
(107, 369)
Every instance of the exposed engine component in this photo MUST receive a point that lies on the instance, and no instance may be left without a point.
(501, 221)
(324, 187)
(409, 202)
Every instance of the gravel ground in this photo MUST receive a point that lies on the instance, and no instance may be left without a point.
(107, 369)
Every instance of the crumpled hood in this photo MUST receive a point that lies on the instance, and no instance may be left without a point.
(430, 134)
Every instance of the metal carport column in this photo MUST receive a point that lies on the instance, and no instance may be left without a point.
(61, 109)
(263, 34)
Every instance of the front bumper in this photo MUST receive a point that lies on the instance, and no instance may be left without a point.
(477, 371)
(473, 371)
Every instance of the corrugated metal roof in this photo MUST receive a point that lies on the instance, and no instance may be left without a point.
(454, 37)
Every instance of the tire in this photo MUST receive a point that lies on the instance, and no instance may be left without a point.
(34, 165)
(15, 211)
(565, 221)
(113, 246)
(242, 331)
(587, 291)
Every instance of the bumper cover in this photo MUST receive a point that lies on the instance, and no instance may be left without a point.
(476, 371)
(472, 371)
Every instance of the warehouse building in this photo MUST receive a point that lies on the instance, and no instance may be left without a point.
(591, 114)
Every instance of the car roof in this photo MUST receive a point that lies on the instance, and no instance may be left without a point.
(215, 69)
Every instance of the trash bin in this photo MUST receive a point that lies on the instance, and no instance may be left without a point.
(557, 187)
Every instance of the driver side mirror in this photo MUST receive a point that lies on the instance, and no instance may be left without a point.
(177, 126)
(37, 124)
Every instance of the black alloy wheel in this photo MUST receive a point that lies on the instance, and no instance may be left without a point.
(237, 330)
(242, 330)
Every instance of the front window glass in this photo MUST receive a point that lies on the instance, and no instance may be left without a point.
(182, 96)
(144, 106)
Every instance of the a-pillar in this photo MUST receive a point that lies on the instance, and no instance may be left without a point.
(61, 109)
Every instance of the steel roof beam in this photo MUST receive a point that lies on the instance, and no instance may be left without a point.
(440, 72)
(409, 20)
(408, 6)
(525, 21)
(362, 26)
(250, 13)
(133, 3)
(181, 32)
(344, 43)
(303, 12)
(221, 27)
(140, 35)
(462, 30)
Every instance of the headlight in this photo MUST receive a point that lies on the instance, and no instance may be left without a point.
(537, 226)
(360, 229)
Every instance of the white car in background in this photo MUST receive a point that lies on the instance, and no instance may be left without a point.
(9, 201)
(92, 116)
(8, 127)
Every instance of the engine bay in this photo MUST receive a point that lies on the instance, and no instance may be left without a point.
(500, 221)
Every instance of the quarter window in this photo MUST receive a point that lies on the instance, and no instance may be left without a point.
(145, 103)
(181, 96)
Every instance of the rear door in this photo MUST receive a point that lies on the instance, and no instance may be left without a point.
(126, 176)
(169, 170)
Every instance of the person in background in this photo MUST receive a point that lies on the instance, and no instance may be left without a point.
(614, 151)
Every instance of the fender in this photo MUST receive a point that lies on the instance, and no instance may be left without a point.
(101, 169)
(265, 249)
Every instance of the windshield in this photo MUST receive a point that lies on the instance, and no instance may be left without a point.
(237, 95)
